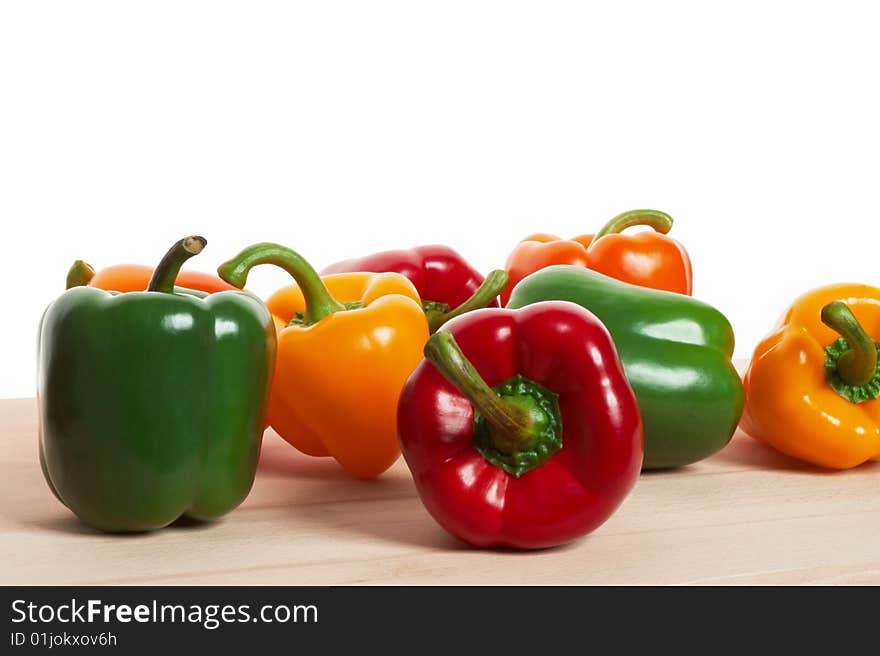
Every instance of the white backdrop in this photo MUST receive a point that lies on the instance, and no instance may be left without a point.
(340, 128)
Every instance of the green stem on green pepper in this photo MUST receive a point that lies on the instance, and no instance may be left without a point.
(166, 272)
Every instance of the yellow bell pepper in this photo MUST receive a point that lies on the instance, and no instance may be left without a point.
(812, 386)
(346, 346)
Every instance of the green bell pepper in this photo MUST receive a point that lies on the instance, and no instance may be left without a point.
(152, 404)
(675, 352)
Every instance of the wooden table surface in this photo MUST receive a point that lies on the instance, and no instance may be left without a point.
(745, 516)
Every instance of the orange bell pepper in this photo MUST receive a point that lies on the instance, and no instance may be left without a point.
(136, 278)
(812, 385)
(346, 345)
(647, 259)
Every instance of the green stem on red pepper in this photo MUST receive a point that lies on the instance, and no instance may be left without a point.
(517, 425)
(659, 221)
(166, 272)
(79, 274)
(319, 302)
(438, 314)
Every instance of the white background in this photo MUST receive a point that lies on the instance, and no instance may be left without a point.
(340, 128)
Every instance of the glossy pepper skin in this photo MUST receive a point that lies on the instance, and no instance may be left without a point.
(675, 351)
(812, 384)
(439, 273)
(442, 277)
(136, 278)
(152, 404)
(519, 426)
(647, 259)
(346, 345)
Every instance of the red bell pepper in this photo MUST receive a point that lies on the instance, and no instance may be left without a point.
(520, 428)
(444, 279)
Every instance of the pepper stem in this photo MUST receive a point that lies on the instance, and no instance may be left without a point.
(489, 289)
(319, 302)
(512, 425)
(660, 221)
(166, 272)
(858, 365)
(79, 274)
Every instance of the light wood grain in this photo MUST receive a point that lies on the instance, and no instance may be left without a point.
(745, 516)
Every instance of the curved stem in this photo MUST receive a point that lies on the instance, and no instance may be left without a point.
(79, 274)
(855, 367)
(660, 221)
(512, 426)
(488, 290)
(319, 302)
(166, 273)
